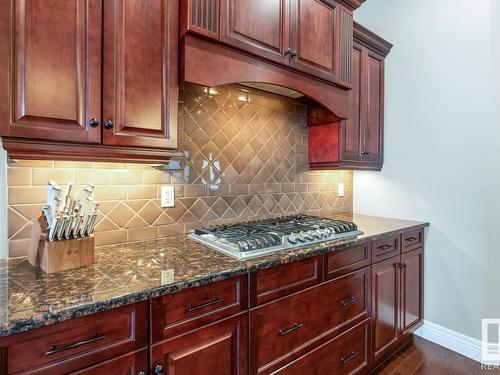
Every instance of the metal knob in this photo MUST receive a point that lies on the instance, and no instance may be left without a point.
(159, 370)
(365, 153)
(288, 51)
(94, 122)
(295, 55)
(141, 373)
(108, 124)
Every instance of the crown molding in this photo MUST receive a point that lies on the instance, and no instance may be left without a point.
(371, 40)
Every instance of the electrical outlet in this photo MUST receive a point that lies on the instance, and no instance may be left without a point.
(341, 189)
(167, 196)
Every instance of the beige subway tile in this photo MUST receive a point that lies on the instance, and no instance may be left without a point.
(18, 176)
(60, 176)
(140, 234)
(73, 164)
(104, 165)
(110, 193)
(169, 230)
(95, 176)
(142, 192)
(34, 163)
(27, 194)
(128, 177)
(197, 190)
(156, 177)
(111, 237)
(18, 248)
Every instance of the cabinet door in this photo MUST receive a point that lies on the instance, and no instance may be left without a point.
(140, 73)
(314, 31)
(50, 69)
(129, 364)
(260, 27)
(412, 290)
(351, 142)
(385, 302)
(219, 348)
(372, 124)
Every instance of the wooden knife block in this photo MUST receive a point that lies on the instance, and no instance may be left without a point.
(57, 256)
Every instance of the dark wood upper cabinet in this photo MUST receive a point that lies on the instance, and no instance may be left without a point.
(140, 73)
(260, 27)
(89, 71)
(358, 141)
(313, 33)
(50, 70)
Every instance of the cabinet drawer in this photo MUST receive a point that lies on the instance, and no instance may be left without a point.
(282, 330)
(347, 353)
(192, 308)
(346, 260)
(78, 343)
(267, 285)
(385, 248)
(132, 363)
(413, 239)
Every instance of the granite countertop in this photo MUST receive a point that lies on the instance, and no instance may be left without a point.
(134, 272)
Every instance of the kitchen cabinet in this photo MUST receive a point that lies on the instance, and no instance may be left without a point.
(356, 142)
(310, 36)
(218, 348)
(397, 298)
(129, 364)
(412, 290)
(89, 72)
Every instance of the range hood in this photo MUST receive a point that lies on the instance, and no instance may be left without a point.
(211, 64)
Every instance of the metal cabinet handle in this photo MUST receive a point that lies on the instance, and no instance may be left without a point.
(384, 247)
(295, 55)
(402, 265)
(295, 327)
(93, 122)
(349, 357)
(365, 153)
(141, 373)
(197, 307)
(411, 239)
(348, 301)
(108, 124)
(55, 349)
(288, 51)
(159, 370)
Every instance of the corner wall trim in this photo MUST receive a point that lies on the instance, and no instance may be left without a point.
(452, 340)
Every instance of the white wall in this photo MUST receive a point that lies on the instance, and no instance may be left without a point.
(438, 146)
(3, 204)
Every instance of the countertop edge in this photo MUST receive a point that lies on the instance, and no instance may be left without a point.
(39, 321)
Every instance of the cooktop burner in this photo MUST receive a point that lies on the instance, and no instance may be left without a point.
(256, 238)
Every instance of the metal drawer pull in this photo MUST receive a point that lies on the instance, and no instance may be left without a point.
(384, 247)
(351, 356)
(411, 239)
(295, 327)
(55, 349)
(197, 307)
(348, 301)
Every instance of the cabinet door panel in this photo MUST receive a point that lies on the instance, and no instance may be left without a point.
(55, 79)
(140, 72)
(260, 27)
(373, 130)
(385, 299)
(351, 127)
(314, 29)
(412, 285)
(219, 348)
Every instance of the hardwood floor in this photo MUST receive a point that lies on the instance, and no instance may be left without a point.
(422, 357)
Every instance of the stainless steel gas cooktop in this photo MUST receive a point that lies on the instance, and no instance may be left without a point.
(256, 238)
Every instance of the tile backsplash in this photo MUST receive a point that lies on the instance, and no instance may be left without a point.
(246, 158)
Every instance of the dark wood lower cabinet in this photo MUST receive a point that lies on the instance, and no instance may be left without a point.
(342, 312)
(129, 364)
(217, 349)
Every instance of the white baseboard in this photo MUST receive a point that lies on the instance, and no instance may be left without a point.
(457, 342)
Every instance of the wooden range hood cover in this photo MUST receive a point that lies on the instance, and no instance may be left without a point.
(210, 64)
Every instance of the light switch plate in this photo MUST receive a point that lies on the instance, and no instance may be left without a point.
(167, 196)
(341, 189)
